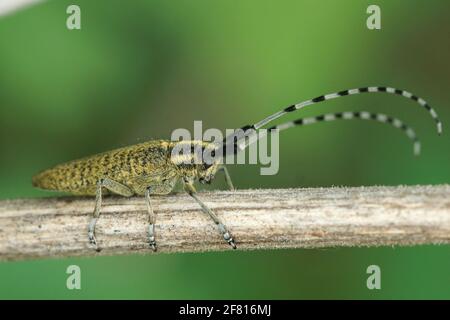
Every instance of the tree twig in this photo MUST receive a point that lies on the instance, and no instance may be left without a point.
(258, 219)
(9, 6)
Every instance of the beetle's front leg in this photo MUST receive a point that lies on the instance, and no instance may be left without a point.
(190, 189)
(227, 178)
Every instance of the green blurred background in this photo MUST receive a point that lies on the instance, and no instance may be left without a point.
(139, 69)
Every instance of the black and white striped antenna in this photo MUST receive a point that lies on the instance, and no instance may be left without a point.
(349, 92)
(238, 140)
(349, 115)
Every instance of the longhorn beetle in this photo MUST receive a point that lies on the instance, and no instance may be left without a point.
(150, 168)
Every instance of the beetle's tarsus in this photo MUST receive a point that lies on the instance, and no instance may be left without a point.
(232, 243)
(228, 238)
(93, 241)
(151, 237)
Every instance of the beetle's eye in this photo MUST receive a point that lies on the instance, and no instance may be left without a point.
(206, 166)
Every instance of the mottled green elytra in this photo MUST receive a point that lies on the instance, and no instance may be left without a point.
(150, 168)
(137, 167)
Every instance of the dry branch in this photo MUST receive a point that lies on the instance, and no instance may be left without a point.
(10, 6)
(258, 219)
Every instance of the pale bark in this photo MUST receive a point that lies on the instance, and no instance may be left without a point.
(258, 219)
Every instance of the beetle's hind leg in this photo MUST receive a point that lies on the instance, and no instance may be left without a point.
(112, 186)
(190, 189)
(151, 220)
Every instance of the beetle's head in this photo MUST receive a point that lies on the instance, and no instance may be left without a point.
(209, 165)
(206, 172)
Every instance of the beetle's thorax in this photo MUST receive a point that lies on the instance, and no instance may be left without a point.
(192, 161)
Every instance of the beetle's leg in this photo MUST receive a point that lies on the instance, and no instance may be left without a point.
(227, 178)
(151, 220)
(96, 214)
(112, 186)
(190, 189)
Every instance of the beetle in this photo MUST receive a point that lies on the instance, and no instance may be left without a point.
(152, 168)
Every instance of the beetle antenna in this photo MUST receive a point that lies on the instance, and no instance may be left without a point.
(364, 115)
(231, 144)
(349, 92)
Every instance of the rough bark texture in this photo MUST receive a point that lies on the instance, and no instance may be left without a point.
(258, 219)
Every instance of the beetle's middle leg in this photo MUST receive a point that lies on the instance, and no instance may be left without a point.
(112, 186)
(190, 189)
